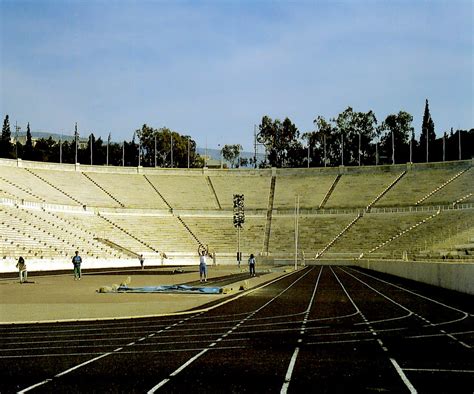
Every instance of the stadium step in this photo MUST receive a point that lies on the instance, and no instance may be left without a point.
(158, 192)
(189, 231)
(117, 247)
(213, 192)
(268, 222)
(385, 191)
(403, 232)
(127, 232)
(104, 190)
(443, 185)
(24, 190)
(331, 189)
(53, 186)
(333, 241)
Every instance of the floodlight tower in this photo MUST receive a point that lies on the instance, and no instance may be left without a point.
(239, 219)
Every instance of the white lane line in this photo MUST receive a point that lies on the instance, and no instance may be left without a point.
(438, 370)
(289, 372)
(81, 365)
(429, 323)
(34, 386)
(291, 366)
(403, 376)
(340, 341)
(418, 295)
(249, 316)
(118, 349)
(393, 361)
(439, 335)
(164, 381)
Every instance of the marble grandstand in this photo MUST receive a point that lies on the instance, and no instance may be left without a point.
(113, 214)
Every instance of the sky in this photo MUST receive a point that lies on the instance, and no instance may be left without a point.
(212, 69)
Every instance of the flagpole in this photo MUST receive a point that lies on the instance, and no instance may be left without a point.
(108, 143)
(76, 136)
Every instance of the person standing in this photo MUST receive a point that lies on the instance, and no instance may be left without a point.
(142, 262)
(202, 267)
(252, 265)
(21, 265)
(77, 261)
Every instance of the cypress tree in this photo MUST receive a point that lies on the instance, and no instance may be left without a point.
(5, 141)
(427, 128)
(28, 151)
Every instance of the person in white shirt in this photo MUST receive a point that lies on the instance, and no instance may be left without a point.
(202, 267)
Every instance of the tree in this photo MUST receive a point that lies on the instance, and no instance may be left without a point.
(281, 141)
(231, 154)
(45, 150)
(28, 153)
(163, 137)
(427, 130)
(6, 147)
(354, 133)
(325, 136)
(400, 126)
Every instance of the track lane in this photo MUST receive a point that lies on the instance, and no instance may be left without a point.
(247, 349)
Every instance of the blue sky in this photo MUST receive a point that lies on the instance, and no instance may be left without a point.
(212, 69)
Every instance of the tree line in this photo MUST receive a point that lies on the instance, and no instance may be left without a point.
(158, 147)
(351, 138)
(356, 138)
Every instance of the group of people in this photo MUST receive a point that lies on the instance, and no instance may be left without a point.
(23, 272)
(77, 261)
(203, 266)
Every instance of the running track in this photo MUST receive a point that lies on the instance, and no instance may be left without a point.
(320, 329)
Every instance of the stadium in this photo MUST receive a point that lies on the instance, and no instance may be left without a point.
(374, 263)
(113, 215)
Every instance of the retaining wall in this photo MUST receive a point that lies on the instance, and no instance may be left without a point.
(452, 276)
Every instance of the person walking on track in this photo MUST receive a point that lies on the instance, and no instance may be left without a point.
(202, 267)
(77, 261)
(252, 265)
(21, 265)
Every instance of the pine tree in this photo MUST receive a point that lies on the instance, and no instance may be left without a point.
(28, 151)
(427, 129)
(6, 146)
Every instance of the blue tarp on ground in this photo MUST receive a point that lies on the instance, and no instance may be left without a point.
(170, 289)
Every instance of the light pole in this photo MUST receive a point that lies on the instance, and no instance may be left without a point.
(155, 150)
(325, 159)
(239, 219)
(308, 152)
(297, 213)
(393, 148)
(171, 148)
(376, 153)
(342, 149)
(359, 148)
(90, 142)
(76, 137)
(444, 145)
(108, 143)
(459, 147)
(123, 153)
(220, 153)
(427, 144)
(189, 150)
(17, 129)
